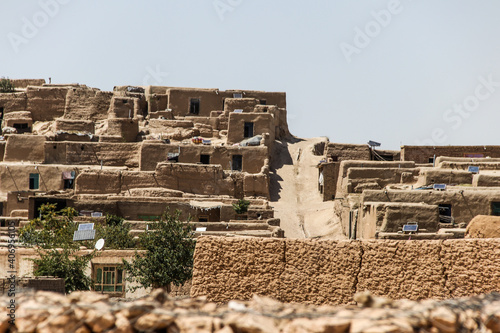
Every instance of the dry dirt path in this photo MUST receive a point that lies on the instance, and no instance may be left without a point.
(294, 192)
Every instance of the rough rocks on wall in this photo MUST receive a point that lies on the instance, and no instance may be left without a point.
(483, 226)
(330, 272)
(158, 312)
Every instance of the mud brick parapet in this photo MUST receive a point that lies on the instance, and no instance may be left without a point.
(331, 272)
(35, 283)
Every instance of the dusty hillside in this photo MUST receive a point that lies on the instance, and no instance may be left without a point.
(294, 192)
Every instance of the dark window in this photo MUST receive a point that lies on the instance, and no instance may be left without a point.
(69, 183)
(431, 159)
(263, 102)
(205, 159)
(237, 95)
(1, 112)
(203, 218)
(34, 181)
(237, 163)
(21, 128)
(248, 131)
(335, 158)
(495, 208)
(194, 106)
(445, 213)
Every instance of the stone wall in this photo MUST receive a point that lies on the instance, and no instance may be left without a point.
(160, 311)
(331, 272)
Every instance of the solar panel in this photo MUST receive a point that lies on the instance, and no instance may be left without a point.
(473, 169)
(410, 228)
(96, 214)
(201, 229)
(81, 235)
(439, 187)
(86, 226)
(374, 143)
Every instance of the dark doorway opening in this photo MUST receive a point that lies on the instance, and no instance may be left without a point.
(237, 163)
(248, 130)
(194, 106)
(21, 128)
(205, 159)
(495, 208)
(445, 213)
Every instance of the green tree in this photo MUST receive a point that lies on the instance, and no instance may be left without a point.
(167, 258)
(51, 230)
(6, 86)
(241, 206)
(52, 233)
(115, 232)
(67, 265)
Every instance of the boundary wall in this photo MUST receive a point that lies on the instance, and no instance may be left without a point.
(331, 272)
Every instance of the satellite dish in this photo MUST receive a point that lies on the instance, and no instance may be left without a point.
(99, 244)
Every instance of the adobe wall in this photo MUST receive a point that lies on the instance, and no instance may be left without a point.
(15, 177)
(331, 272)
(23, 83)
(270, 98)
(262, 123)
(330, 179)
(125, 128)
(245, 104)
(46, 103)
(154, 152)
(179, 101)
(449, 176)
(80, 126)
(13, 102)
(390, 217)
(342, 152)
(87, 104)
(24, 148)
(465, 204)
(189, 178)
(359, 179)
(422, 154)
(92, 153)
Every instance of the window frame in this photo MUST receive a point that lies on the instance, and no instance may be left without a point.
(36, 181)
(111, 271)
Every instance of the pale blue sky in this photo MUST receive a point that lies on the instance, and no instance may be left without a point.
(400, 86)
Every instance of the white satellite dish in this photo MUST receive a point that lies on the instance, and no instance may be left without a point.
(99, 244)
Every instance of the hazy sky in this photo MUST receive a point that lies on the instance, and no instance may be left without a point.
(398, 72)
